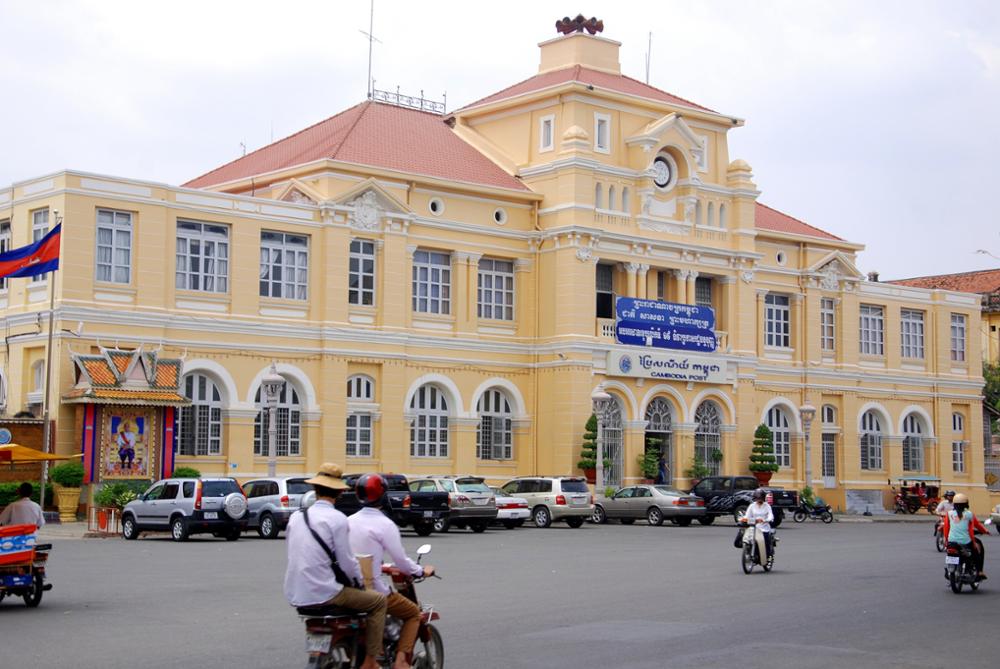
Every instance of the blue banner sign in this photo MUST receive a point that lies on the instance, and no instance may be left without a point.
(684, 327)
(667, 314)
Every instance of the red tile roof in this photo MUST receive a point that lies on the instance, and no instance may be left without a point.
(766, 218)
(577, 73)
(378, 135)
(99, 371)
(985, 281)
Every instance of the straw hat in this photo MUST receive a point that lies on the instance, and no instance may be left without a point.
(330, 476)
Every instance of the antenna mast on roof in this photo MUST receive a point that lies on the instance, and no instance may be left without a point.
(371, 39)
(649, 51)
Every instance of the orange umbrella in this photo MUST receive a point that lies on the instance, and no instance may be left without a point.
(14, 453)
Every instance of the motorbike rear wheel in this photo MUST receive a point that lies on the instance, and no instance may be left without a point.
(429, 654)
(747, 560)
(799, 516)
(955, 580)
(33, 597)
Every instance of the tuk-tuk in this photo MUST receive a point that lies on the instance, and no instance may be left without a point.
(916, 492)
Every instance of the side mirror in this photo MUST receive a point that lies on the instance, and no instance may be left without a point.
(424, 550)
(988, 521)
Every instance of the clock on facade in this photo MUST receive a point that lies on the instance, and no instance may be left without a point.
(661, 172)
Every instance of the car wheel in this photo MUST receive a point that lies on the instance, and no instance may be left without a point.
(654, 516)
(599, 516)
(627, 521)
(129, 529)
(541, 516)
(268, 529)
(442, 525)
(706, 520)
(178, 529)
(423, 529)
(778, 518)
(739, 510)
(683, 522)
(233, 534)
(510, 524)
(574, 522)
(478, 526)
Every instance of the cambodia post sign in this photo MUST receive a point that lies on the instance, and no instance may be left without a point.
(685, 327)
(667, 365)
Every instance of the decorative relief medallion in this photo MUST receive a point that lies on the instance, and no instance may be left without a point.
(829, 277)
(366, 212)
(747, 275)
(583, 254)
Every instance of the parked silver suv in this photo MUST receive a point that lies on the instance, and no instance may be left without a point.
(553, 498)
(471, 502)
(272, 502)
(188, 506)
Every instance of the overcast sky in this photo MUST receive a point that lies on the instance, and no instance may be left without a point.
(876, 121)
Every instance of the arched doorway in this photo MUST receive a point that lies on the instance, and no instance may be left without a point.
(613, 443)
(708, 435)
(659, 432)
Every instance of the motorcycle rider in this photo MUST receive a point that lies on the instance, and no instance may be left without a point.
(760, 514)
(942, 509)
(373, 533)
(960, 527)
(321, 567)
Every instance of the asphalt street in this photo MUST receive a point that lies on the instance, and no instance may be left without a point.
(847, 594)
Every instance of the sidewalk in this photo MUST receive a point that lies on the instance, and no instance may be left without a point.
(76, 530)
(884, 518)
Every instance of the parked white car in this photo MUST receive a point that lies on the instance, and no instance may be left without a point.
(511, 511)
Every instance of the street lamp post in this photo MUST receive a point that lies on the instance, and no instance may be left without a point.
(807, 412)
(601, 403)
(272, 384)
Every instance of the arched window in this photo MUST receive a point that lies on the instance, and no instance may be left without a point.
(614, 443)
(723, 210)
(494, 437)
(828, 419)
(625, 203)
(710, 218)
(288, 422)
(828, 416)
(358, 438)
(871, 441)
(599, 196)
(697, 212)
(611, 197)
(659, 431)
(199, 430)
(777, 421)
(429, 429)
(361, 388)
(913, 443)
(708, 434)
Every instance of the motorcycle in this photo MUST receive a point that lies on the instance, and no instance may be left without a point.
(22, 564)
(754, 548)
(960, 568)
(939, 536)
(335, 637)
(816, 511)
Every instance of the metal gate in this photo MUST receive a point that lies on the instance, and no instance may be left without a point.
(613, 444)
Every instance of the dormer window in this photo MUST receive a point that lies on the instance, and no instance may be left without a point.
(602, 133)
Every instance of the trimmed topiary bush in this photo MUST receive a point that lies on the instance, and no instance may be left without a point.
(186, 473)
(762, 455)
(588, 451)
(67, 474)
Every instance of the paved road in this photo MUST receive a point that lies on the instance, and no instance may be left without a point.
(861, 595)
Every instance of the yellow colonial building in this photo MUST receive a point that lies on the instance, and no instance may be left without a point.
(439, 291)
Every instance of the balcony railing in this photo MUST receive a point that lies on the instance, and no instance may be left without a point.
(606, 328)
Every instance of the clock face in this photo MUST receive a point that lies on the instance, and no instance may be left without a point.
(661, 168)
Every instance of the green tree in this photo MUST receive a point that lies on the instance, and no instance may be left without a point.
(762, 455)
(588, 450)
(991, 389)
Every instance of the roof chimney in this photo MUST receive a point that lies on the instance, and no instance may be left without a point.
(576, 47)
(873, 277)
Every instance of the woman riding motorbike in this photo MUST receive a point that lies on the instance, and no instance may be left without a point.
(960, 527)
(760, 514)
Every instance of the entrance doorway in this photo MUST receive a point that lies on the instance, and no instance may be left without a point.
(659, 433)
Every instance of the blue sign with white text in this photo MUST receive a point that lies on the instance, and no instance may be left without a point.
(685, 327)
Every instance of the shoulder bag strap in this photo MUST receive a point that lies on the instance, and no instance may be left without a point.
(338, 573)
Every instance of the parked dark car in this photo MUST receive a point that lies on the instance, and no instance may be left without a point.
(731, 495)
(419, 510)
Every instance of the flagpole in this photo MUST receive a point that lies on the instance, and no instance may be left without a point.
(46, 428)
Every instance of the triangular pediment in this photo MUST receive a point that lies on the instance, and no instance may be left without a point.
(834, 268)
(672, 130)
(383, 199)
(300, 193)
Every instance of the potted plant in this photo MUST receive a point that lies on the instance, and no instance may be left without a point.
(68, 478)
(111, 499)
(762, 462)
(588, 451)
(697, 471)
(716, 455)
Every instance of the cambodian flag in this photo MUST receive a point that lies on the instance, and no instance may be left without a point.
(33, 259)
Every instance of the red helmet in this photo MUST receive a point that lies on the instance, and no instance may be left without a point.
(371, 489)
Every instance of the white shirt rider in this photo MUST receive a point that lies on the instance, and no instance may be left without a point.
(373, 533)
(760, 511)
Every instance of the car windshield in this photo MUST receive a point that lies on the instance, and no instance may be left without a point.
(298, 487)
(667, 490)
(574, 485)
(473, 486)
(219, 488)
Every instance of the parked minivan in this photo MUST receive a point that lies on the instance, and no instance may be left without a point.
(272, 502)
(553, 498)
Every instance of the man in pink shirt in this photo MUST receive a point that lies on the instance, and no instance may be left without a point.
(373, 533)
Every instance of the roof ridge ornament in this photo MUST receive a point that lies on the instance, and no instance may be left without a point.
(567, 26)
